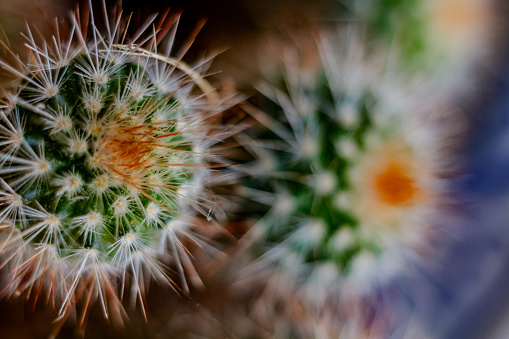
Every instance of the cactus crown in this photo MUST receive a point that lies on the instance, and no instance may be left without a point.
(103, 159)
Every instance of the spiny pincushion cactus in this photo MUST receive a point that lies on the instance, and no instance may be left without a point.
(351, 164)
(104, 162)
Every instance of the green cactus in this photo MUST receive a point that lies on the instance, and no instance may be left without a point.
(350, 165)
(104, 164)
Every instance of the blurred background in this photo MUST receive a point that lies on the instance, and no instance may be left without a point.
(464, 297)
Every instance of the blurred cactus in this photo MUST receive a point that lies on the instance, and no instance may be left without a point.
(351, 164)
(104, 163)
(446, 38)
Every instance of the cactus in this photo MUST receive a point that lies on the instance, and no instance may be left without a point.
(351, 165)
(445, 38)
(104, 163)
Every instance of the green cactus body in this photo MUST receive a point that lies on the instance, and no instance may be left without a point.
(103, 163)
(348, 164)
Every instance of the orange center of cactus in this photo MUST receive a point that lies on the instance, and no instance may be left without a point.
(395, 187)
(127, 152)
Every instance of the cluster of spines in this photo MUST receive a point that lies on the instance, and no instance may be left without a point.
(104, 162)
